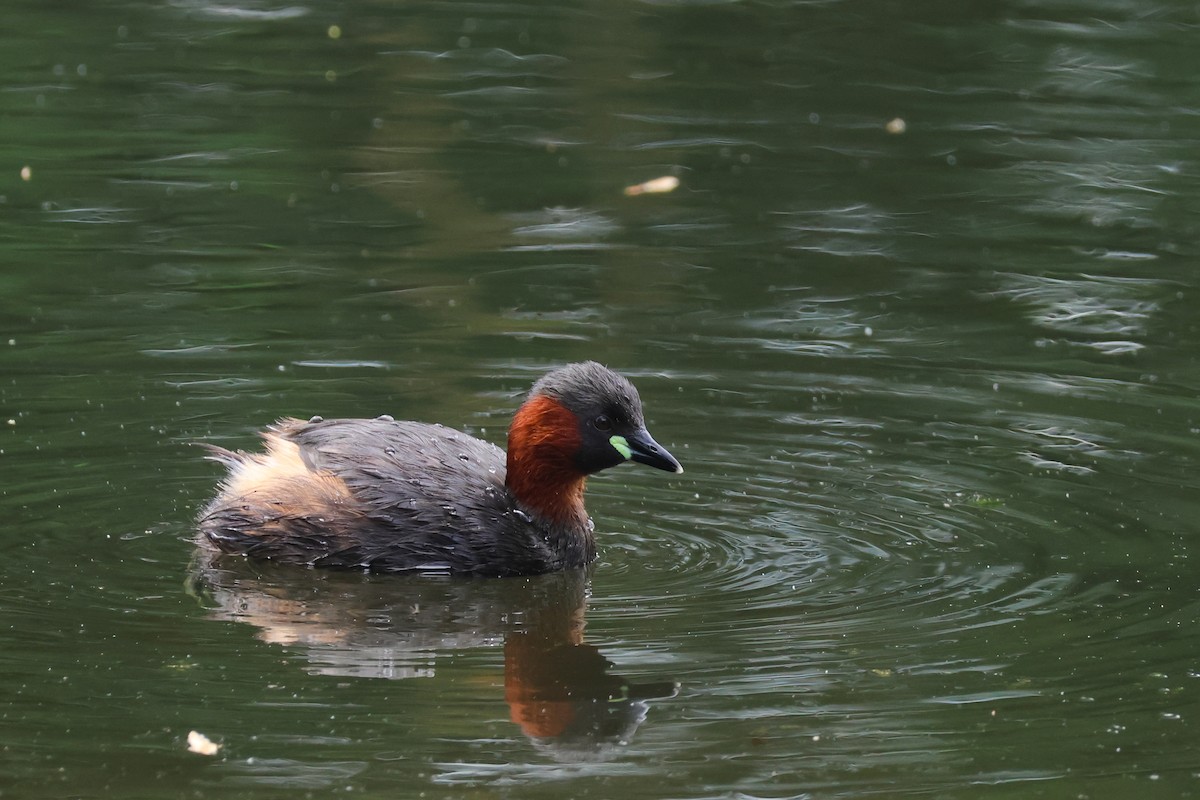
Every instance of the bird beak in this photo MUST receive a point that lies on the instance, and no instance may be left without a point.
(641, 447)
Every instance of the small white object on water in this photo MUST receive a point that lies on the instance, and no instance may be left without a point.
(667, 183)
(199, 743)
(896, 126)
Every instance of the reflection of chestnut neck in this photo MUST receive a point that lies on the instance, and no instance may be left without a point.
(542, 663)
(543, 681)
(542, 442)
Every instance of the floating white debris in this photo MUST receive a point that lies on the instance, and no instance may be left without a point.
(667, 183)
(896, 126)
(199, 743)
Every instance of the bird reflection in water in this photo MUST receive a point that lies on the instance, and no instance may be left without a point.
(559, 689)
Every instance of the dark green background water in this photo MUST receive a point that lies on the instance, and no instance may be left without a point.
(935, 391)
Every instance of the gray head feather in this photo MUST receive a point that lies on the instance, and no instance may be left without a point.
(587, 386)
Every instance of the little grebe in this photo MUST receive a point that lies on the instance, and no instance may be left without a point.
(387, 496)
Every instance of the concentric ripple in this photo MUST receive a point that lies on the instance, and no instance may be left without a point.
(836, 527)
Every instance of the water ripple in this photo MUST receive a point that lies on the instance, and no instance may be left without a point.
(202, 8)
(563, 223)
(1093, 310)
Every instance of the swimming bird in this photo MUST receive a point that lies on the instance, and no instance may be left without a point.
(388, 496)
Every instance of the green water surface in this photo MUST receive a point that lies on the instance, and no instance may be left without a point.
(919, 321)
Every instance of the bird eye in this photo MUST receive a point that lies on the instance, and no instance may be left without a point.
(602, 423)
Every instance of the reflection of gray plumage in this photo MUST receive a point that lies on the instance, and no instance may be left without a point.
(563, 693)
(407, 496)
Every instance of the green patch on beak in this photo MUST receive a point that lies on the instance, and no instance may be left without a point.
(621, 446)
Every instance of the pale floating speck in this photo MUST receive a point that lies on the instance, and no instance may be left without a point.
(667, 183)
(26, 173)
(199, 743)
(896, 126)
(335, 31)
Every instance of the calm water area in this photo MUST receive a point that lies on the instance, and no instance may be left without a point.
(919, 321)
